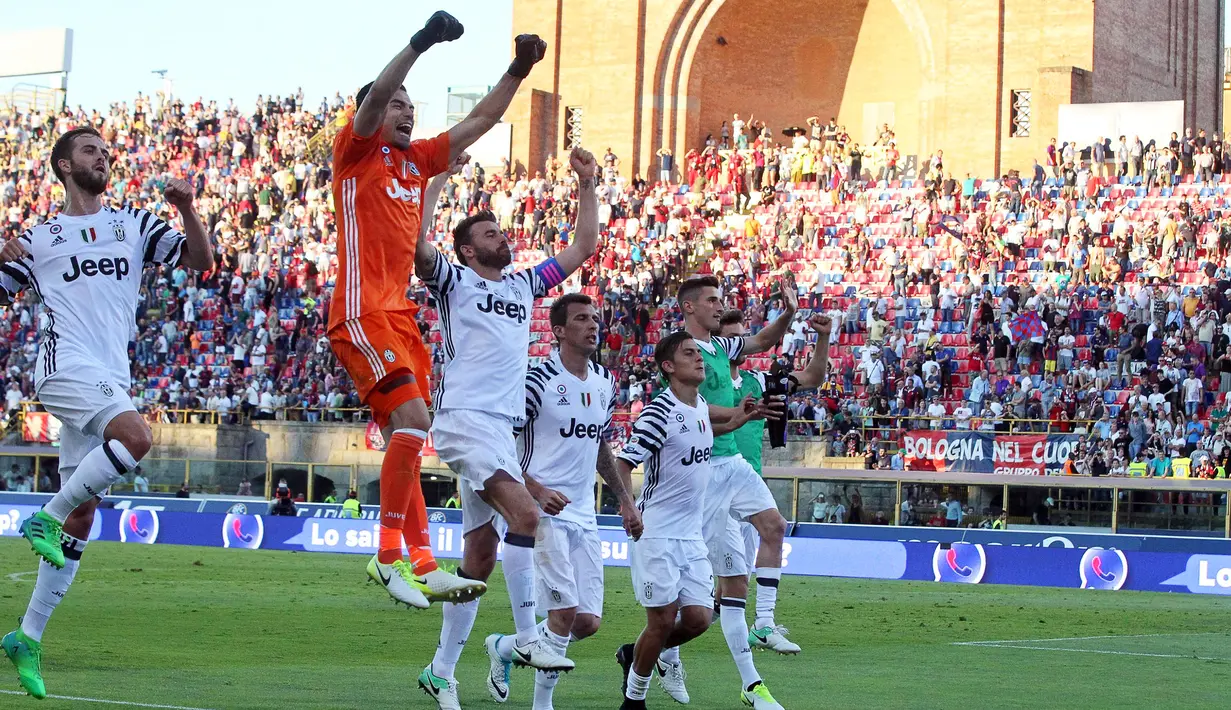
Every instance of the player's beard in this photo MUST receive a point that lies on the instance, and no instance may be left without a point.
(498, 259)
(89, 180)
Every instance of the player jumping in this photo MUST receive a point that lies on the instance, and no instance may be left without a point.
(485, 320)
(379, 176)
(569, 404)
(673, 438)
(85, 267)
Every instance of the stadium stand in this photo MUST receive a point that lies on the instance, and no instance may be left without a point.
(1090, 294)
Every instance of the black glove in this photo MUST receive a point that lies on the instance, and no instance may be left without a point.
(528, 50)
(440, 27)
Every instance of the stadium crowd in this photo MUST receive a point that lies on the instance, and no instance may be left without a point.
(1089, 295)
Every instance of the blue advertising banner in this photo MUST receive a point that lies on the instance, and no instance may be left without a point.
(1027, 561)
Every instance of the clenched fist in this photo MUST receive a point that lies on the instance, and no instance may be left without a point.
(458, 163)
(583, 163)
(179, 193)
(13, 250)
(822, 324)
(528, 50)
(440, 27)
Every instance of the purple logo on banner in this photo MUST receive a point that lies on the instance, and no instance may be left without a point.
(961, 562)
(1103, 569)
(139, 525)
(246, 531)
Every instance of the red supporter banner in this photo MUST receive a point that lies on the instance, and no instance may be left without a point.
(987, 452)
(40, 428)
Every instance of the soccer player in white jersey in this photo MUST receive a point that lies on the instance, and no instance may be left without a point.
(485, 322)
(736, 492)
(85, 266)
(672, 577)
(569, 404)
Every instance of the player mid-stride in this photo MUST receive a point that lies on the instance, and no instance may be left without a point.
(85, 266)
(569, 404)
(485, 323)
(673, 439)
(379, 177)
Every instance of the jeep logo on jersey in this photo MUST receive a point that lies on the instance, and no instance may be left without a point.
(117, 267)
(512, 309)
(696, 456)
(579, 430)
(397, 192)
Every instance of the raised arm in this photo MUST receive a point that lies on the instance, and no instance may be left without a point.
(528, 50)
(771, 335)
(585, 236)
(198, 253)
(425, 251)
(440, 27)
(813, 374)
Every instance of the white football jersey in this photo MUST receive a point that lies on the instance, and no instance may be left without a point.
(86, 270)
(567, 419)
(485, 331)
(673, 441)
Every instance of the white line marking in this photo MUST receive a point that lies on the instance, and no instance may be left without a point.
(1094, 650)
(1086, 638)
(108, 702)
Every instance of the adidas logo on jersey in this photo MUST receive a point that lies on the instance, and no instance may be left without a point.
(58, 240)
(683, 428)
(562, 402)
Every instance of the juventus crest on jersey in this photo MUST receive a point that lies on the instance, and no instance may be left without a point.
(485, 326)
(567, 419)
(674, 441)
(86, 270)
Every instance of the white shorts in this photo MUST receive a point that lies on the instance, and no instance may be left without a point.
(568, 566)
(475, 445)
(85, 402)
(735, 493)
(666, 570)
(752, 542)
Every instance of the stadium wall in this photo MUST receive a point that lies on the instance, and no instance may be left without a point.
(647, 74)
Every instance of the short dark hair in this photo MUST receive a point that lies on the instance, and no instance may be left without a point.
(461, 233)
(63, 148)
(366, 89)
(731, 316)
(667, 347)
(559, 309)
(690, 288)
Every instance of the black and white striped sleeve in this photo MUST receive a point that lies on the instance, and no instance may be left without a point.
(536, 385)
(734, 347)
(443, 277)
(160, 243)
(608, 433)
(17, 275)
(649, 433)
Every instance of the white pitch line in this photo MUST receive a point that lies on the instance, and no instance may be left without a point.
(108, 702)
(1086, 638)
(1110, 653)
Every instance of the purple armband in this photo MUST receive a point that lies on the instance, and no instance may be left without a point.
(550, 273)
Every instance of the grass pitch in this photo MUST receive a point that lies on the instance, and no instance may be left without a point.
(219, 629)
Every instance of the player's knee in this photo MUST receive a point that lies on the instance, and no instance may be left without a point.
(772, 527)
(695, 620)
(410, 415)
(523, 520)
(733, 587)
(585, 625)
(137, 440)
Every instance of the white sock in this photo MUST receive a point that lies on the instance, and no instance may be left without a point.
(458, 621)
(767, 595)
(519, 576)
(545, 681)
(637, 685)
(735, 630)
(105, 465)
(670, 655)
(50, 588)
